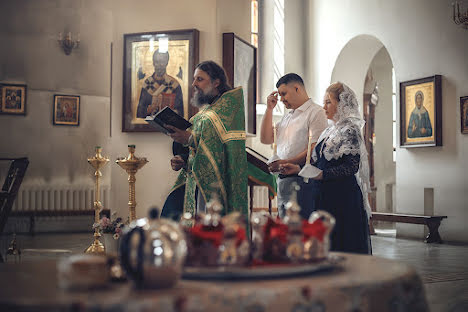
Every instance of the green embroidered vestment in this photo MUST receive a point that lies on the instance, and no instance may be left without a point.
(217, 162)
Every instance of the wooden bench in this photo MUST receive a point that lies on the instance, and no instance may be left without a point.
(432, 222)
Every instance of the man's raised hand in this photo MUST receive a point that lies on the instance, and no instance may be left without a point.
(272, 99)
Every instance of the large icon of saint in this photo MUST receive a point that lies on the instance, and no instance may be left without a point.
(419, 123)
(160, 89)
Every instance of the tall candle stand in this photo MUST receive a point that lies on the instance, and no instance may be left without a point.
(131, 164)
(98, 161)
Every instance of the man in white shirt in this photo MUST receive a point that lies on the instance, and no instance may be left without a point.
(292, 131)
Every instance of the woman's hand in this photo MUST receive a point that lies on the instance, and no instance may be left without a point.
(289, 168)
(180, 136)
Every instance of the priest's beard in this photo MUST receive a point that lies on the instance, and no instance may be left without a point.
(201, 98)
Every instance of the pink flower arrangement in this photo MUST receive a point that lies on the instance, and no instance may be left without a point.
(106, 225)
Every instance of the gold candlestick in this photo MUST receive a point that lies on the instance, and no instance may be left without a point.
(131, 164)
(98, 161)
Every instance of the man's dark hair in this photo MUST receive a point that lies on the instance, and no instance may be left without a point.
(215, 72)
(288, 78)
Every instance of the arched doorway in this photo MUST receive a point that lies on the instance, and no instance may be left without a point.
(366, 66)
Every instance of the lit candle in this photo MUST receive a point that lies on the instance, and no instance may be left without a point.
(308, 147)
(274, 140)
(274, 133)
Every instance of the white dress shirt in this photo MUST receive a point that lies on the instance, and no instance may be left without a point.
(293, 129)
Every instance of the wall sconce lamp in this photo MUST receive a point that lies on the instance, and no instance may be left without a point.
(460, 17)
(67, 43)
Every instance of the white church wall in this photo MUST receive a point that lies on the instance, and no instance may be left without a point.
(295, 38)
(211, 18)
(422, 41)
(30, 54)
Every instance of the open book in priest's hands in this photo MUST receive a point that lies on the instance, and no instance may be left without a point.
(167, 116)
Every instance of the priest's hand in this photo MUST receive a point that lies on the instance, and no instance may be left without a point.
(180, 136)
(177, 163)
(288, 169)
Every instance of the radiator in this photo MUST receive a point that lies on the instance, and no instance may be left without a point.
(82, 198)
(49, 199)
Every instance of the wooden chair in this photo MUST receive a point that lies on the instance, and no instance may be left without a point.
(10, 188)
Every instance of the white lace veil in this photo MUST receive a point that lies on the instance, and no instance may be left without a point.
(344, 137)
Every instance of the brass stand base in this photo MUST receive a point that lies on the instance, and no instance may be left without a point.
(116, 271)
(96, 247)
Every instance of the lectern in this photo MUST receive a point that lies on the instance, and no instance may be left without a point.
(259, 175)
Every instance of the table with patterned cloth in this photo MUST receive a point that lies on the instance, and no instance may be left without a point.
(362, 283)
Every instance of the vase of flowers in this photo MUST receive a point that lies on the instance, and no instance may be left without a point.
(111, 245)
(111, 231)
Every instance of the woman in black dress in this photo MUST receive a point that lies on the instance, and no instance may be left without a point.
(342, 186)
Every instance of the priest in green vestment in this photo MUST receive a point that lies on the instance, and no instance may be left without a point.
(217, 162)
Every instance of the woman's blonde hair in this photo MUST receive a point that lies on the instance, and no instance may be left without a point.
(335, 89)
